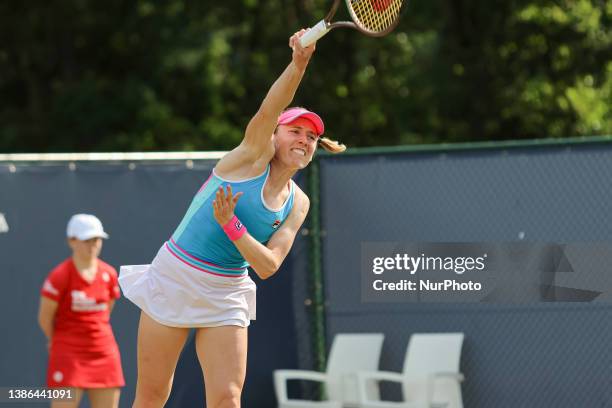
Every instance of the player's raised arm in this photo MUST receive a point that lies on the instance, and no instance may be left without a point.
(259, 131)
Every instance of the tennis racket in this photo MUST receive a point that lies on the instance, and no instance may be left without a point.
(372, 17)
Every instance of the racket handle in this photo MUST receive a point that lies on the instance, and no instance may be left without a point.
(314, 33)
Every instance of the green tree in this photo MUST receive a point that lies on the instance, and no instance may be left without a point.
(81, 75)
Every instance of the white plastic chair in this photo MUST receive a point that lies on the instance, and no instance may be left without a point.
(349, 353)
(430, 378)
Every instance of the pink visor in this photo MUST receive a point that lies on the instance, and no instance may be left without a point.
(292, 114)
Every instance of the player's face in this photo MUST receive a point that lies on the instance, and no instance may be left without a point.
(296, 143)
(87, 249)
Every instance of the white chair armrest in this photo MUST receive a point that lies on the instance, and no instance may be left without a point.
(364, 377)
(453, 376)
(301, 375)
(379, 376)
(456, 376)
(282, 376)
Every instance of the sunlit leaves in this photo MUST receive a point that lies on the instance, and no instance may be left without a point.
(146, 75)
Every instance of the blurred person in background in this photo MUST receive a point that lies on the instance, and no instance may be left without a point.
(76, 301)
(199, 278)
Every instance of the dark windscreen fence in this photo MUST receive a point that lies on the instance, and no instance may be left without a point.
(140, 205)
(533, 354)
(538, 352)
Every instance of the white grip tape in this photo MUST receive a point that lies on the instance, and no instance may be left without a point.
(314, 33)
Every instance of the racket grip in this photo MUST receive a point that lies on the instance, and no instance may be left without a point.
(314, 33)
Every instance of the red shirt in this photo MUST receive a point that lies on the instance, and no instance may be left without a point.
(82, 318)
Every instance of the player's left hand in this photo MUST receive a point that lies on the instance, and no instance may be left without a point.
(224, 204)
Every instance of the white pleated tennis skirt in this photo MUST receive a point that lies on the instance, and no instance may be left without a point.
(175, 294)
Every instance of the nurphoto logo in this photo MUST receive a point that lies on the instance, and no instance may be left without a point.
(489, 272)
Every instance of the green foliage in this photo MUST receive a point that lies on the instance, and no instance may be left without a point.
(84, 75)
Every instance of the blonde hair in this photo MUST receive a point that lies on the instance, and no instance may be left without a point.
(331, 145)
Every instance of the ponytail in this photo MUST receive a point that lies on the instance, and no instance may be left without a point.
(331, 145)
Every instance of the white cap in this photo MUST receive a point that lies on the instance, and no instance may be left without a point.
(84, 227)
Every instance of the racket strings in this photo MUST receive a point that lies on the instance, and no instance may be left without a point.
(376, 15)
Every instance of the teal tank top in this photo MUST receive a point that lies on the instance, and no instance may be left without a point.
(200, 241)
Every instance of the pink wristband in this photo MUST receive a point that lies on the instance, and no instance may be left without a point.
(234, 229)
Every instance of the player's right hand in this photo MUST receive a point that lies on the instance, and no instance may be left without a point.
(301, 55)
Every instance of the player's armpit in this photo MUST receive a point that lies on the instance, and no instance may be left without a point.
(244, 162)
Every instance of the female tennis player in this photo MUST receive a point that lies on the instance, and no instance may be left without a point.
(246, 214)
